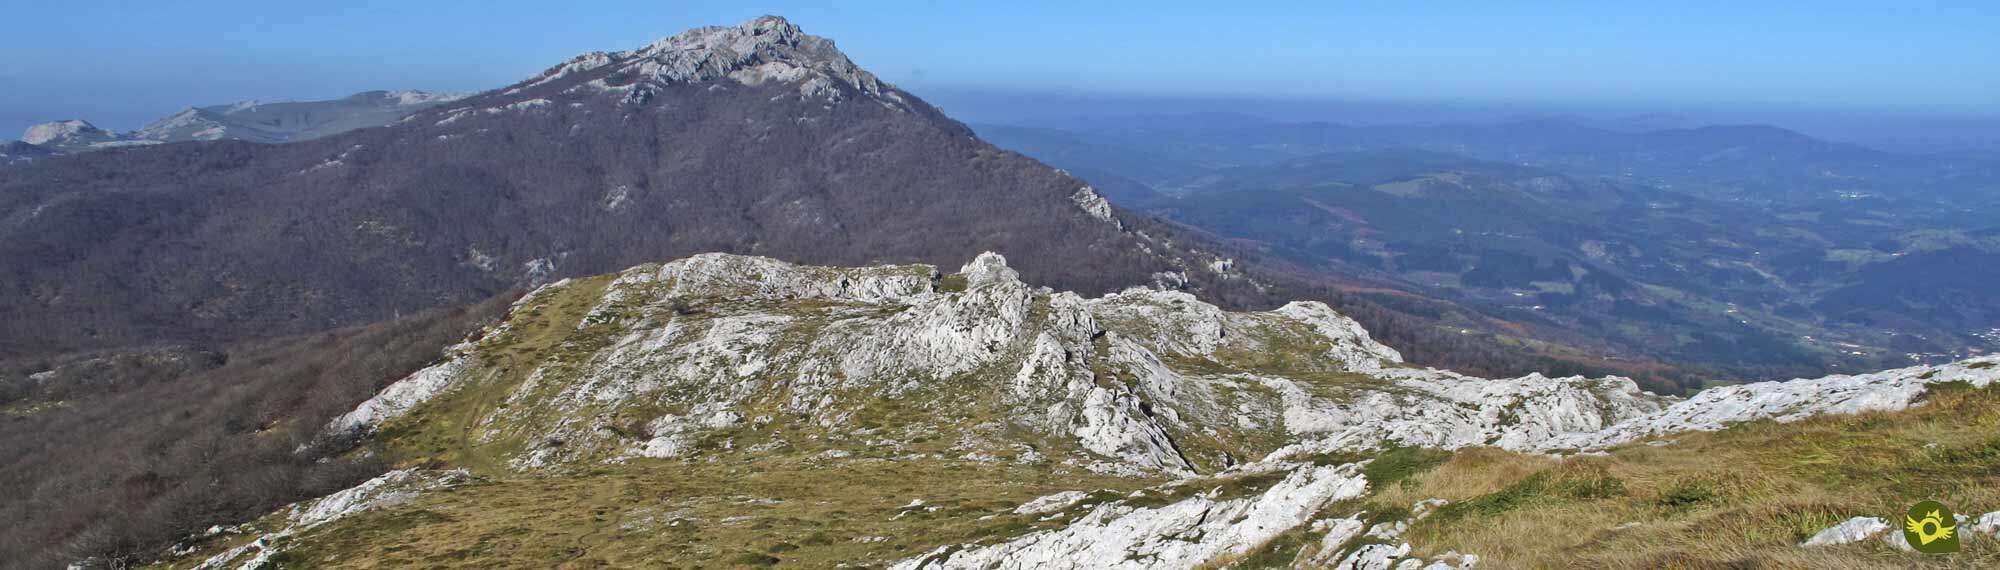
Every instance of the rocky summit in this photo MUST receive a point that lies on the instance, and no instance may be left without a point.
(727, 409)
(764, 49)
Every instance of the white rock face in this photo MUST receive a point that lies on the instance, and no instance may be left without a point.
(1435, 408)
(247, 120)
(1128, 378)
(1122, 377)
(1178, 535)
(1373, 557)
(57, 131)
(1338, 532)
(1988, 524)
(1850, 531)
(1051, 503)
(764, 50)
(1386, 551)
(389, 489)
(1087, 199)
(419, 386)
(1788, 401)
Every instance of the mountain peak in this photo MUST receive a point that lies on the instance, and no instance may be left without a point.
(989, 268)
(768, 48)
(57, 130)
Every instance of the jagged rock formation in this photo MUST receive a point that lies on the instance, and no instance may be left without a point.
(1263, 424)
(1151, 379)
(1137, 381)
(1788, 401)
(762, 50)
(245, 121)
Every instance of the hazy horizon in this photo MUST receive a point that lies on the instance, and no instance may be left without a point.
(1847, 73)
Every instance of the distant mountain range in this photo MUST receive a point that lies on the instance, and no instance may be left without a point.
(1739, 161)
(245, 121)
(1749, 249)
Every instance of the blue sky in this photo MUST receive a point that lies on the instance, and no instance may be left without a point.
(120, 63)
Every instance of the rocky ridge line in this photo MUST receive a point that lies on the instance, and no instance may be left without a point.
(1138, 382)
(246, 120)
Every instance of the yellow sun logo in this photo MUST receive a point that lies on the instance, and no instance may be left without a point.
(1931, 529)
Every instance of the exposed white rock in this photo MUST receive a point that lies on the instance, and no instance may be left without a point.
(1373, 557)
(1179, 535)
(617, 197)
(1388, 530)
(1051, 503)
(389, 489)
(1383, 550)
(399, 397)
(1434, 408)
(1087, 199)
(1338, 532)
(413, 97)
(768, 49)
(1425, 507)
(58, 131)
(578, 64)
(247, 120)
(422, 385)
(527, 105)
(1788, 401)
(1849, 531)
(672, 360)
(1446, 561)
(536, 272)
(1121, 377)
(1988, 524)
(1352, 346)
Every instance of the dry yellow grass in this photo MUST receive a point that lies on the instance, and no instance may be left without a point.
(1743, 497)
(788, 512)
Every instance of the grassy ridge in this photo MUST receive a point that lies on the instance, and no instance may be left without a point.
(1744, 496)
(798, 513)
